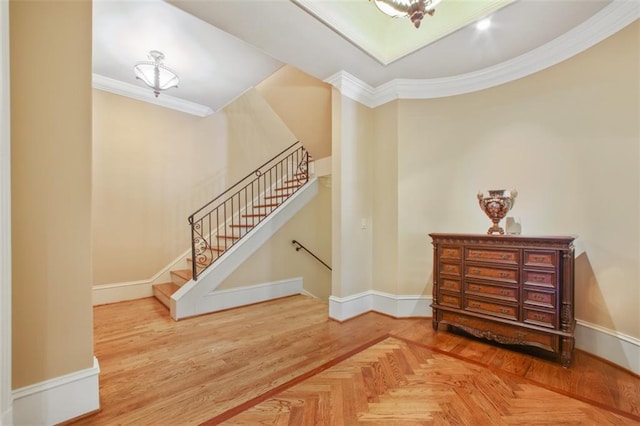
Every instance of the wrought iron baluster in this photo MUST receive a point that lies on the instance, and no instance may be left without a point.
(258, 187)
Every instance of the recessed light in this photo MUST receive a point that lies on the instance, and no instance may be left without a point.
(483, 24)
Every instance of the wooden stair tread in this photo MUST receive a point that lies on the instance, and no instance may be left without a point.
(182, 273)
(271, 197)
(254, 215)
(228, 237)
(242, 225)
(260, 206)
(285, 188)
(166, 289)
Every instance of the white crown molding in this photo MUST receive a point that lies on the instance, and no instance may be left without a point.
(111, 85)
(605, 23)
(57, 400)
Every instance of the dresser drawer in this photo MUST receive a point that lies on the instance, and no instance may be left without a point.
(451, 252)
(545, 319)
(539, 278)
(541, 258)
(450, 284)
(509, 294)
(452, 300)
(502, 333)
(506, 256)
(451, 269)
(539, 298)
(492, 273)
(491, 308)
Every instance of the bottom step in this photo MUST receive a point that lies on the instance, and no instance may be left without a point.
(163, 292)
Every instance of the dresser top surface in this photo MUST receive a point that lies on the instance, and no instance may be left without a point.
(507, 238)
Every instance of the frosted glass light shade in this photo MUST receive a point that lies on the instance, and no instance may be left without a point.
(156, 75)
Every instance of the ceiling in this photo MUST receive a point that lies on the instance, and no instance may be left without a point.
(222, 48)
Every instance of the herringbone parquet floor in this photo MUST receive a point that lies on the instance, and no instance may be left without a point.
(395, 382)
(158, 372)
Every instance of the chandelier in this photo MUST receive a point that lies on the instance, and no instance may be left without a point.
(413, 9)
(155, 74)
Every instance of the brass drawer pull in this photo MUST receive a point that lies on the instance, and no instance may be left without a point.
(505, 292)
(505, 311)
(520, 334)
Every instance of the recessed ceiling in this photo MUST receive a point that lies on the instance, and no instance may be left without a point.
(222, 48)
(388, 39)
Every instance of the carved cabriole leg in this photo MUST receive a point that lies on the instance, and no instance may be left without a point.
(567, 351)
(567, 321)
(434, 290)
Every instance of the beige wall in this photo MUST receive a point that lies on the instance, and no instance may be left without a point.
(304, 104)
(277, 259)
(51, 189)
(154, 166)
(385, 198)
(567, 139)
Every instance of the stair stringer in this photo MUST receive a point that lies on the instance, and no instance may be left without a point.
(192, 298)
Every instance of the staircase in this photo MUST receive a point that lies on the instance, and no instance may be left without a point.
(232, 217)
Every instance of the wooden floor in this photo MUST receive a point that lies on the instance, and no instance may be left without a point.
(155, 371)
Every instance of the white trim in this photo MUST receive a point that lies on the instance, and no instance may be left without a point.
(57, 400)
(218, 300)
(107, 84)
(618, 348)
(131, 290)
(5, 220)
(397, 306)
(191, 298)
(611, 19)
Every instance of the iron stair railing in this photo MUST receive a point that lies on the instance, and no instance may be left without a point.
(222, 222)
(299, 247)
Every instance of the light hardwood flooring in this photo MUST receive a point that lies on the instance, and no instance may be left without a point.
(155, 371)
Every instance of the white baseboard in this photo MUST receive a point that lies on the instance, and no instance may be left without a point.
(610, 345)
(218, 300)
(398, 306)
(113, 293)
(613, 346)
(58, 400)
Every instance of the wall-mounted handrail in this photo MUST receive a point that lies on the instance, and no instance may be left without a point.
(223, 221)
(299, 247)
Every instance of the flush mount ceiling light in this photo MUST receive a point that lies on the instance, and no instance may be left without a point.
(155, 74)
(413, 9)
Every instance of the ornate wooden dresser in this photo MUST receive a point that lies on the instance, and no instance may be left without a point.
(512, 289)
